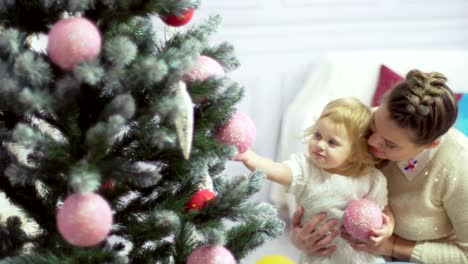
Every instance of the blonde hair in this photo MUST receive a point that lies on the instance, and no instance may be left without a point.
(355, 117)
(424, 104)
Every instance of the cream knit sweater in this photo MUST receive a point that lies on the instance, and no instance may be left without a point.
(432, 208)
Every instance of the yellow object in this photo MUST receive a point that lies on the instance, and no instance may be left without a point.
(275, 259)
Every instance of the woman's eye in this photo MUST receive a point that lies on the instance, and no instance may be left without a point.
(332, 142)
(317, 135)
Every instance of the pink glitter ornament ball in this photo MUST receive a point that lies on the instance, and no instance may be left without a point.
(209, 254)
(240, 131)
(73, 40)
(204, 68)
(360, 216)
(84, 219)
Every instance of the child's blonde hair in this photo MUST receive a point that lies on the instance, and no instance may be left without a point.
(355, 117)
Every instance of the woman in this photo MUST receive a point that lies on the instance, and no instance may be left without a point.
(427, 177)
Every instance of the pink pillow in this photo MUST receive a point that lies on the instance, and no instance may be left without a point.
(388, 79)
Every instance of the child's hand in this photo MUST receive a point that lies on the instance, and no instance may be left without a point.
(243, 157)
(384, 248)
(379, 235)
(380, 241)
(275, 171)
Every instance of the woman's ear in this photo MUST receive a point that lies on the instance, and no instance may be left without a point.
(434, 143)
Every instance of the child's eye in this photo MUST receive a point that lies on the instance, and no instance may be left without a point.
(332, 142)
(390, 146)
(317, 135)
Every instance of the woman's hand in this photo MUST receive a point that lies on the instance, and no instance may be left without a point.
(310, 238)
(380, 241)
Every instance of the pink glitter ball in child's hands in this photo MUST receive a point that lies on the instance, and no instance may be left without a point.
(84, 219)
(240, 132)
(73, 40)
(360, 217)
(209, 254)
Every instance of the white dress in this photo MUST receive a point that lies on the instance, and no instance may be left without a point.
(319, 191)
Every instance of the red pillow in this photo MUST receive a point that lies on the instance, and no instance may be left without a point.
(387, 79)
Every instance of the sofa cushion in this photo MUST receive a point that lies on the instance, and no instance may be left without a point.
(387, 79)
(462, 119)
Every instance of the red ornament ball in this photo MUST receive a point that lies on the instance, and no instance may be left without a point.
(178, 20)
(73, 40)
(240, 132)
(205, 67)
(199, 199)
(209, 254)
(84, 219)
(109, 185)
(360, 217)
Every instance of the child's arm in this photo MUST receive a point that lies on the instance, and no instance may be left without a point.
(276, 171)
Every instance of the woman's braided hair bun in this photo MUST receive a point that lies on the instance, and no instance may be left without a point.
(424, 103)
(425, 88)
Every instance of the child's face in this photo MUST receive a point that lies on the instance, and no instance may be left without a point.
(330, 145)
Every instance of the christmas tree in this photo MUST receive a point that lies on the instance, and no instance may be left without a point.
(115, 140)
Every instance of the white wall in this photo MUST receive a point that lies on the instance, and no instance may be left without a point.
(279, 41)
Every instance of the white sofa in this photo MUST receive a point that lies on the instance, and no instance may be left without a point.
(356, 74)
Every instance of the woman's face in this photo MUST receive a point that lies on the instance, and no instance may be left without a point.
(388, 140)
